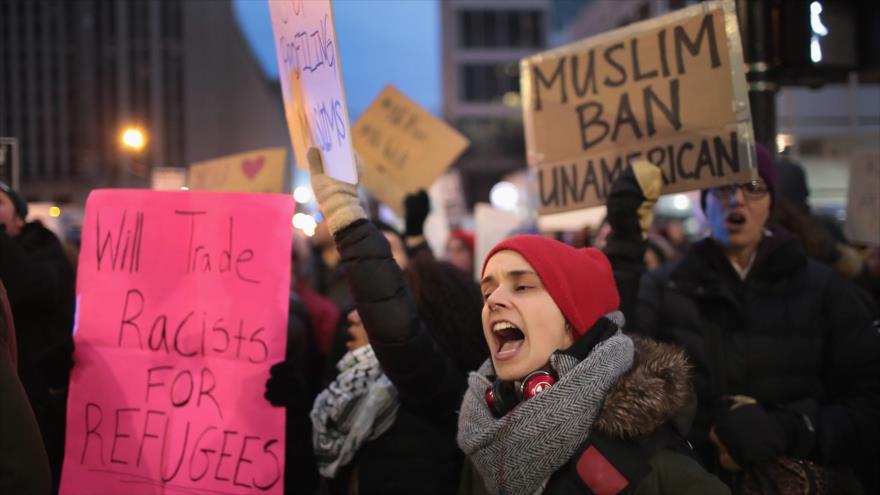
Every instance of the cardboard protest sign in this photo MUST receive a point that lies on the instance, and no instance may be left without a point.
(403, 147)
(252, 171)
(863, 203)
(670, 90)
(311, 84)
(182, 302)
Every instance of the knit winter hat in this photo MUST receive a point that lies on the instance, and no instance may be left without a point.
(580, 281)
(464, 236)
(766, 169)
(21, 207)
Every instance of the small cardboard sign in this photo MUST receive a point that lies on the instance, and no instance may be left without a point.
(182, 303)
(252, 171)
(403, 147)
(863, 203)
(670, 90)
(311, 84)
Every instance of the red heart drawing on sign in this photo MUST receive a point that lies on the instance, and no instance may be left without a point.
(252, 167)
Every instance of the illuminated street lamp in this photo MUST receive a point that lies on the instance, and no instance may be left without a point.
(133, 138)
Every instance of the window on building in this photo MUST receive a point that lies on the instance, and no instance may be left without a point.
(493, 138)
(488, 82)
(501, 29)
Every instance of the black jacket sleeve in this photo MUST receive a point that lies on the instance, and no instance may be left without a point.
(627, 257)
(426, 379)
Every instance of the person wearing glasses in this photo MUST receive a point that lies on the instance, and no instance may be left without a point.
(787, 361)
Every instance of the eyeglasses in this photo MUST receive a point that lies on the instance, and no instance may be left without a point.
(752, 191)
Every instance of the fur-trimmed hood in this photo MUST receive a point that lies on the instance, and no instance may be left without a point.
(657, 389)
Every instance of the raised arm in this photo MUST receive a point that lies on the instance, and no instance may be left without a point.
(426, 378)
(630, 213)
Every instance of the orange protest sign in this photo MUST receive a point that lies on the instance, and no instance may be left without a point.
(403, 147)
(252, 171)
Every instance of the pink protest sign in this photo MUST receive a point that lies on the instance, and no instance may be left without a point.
(182, 301)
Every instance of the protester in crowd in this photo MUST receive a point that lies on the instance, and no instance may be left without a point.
(425, 358)
(358, 406)
(323, 314)
(292, 385)
(399, 252)
(40, 284)
(24, 467)
(325, 275)
(672, 229)
(566, 399)
(658, 251)
(821, 241)
(524, 450)
(460, 248)
(787, 364)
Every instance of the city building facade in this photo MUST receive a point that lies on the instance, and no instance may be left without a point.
(75, 75)
(482, 44)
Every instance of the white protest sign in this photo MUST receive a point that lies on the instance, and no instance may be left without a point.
(311, 84)
(863, 202)
(492, 226)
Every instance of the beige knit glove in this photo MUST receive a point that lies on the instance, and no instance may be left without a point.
(650, 180)
(338, 200)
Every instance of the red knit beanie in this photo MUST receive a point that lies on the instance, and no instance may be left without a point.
(464, 236)
(580, 281)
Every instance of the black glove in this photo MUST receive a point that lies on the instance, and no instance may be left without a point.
(631, 201)
(416, 206)
(752, 435)
(285, 387)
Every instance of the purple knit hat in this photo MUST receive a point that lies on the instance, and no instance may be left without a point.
(766, 169)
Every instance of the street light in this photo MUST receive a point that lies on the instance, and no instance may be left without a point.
(133, 138)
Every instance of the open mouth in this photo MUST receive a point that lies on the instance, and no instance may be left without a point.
(736, 219)
(509, 339)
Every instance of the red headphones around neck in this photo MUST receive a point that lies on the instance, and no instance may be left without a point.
(503, 396)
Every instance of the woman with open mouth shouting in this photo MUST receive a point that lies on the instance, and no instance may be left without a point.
(786, 359)
(566, 403)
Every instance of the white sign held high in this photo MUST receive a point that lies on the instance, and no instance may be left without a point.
(311, 84)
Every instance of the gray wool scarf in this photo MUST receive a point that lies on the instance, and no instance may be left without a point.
(517, 453)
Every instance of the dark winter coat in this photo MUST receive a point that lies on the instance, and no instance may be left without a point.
(419, 453)
(24, 467)
(791, 335)
(41, 285)
(300, 467)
